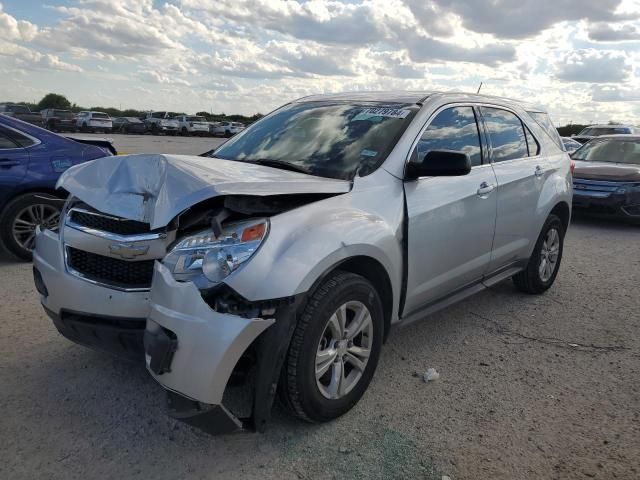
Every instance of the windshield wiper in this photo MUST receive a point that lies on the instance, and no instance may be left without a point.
(280, 164)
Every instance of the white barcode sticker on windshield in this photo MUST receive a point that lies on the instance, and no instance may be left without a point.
(385, 112)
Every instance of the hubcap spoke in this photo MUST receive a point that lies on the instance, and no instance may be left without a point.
(362, 319)
(324, 360)
(336, 386)
(355, 362)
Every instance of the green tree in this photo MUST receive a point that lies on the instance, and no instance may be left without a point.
(54, 100)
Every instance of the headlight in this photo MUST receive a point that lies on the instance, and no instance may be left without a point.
(204, 259)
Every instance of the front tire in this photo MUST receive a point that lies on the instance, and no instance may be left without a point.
(335, 349)
(544, 263)
(20, 218)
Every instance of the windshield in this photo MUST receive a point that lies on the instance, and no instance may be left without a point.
(328, 139)
(63, 113)
(159, 114)
(236, 124)
(614, 151)
(599, 131)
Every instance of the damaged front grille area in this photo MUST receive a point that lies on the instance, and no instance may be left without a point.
(111, 271)
(106, 223)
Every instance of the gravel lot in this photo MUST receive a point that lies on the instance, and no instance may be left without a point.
(531, 387)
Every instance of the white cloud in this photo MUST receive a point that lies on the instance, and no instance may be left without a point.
(252, 55)
(594, 66)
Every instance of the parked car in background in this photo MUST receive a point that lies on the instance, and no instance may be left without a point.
(228, 129)
(192, 125)
(570, 145)
(160, 122)
(21, 112)
(31, 160)
(289, 252)
(212, 128)
(88, 121)
(59, 120)
(129, 125)
(606, 177)
(598, 130)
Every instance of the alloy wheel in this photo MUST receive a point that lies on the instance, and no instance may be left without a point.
(25, 223)
(549, 255)
(343, 350)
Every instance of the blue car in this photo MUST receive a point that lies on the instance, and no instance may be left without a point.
(31, 160)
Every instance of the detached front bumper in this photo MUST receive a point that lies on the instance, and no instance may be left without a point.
(86, 313)
(191, 350)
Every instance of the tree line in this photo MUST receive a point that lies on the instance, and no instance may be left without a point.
(55, 100)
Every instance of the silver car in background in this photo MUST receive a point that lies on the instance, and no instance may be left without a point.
(286, 256)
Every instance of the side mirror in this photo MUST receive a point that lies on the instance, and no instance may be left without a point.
(439, 163)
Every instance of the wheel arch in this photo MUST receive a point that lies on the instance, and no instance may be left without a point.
(372, 270)
(562, 211)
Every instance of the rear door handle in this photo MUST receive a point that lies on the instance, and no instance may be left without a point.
(485, 189)
(539, 171)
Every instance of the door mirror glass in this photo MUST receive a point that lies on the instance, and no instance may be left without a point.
(439, 163)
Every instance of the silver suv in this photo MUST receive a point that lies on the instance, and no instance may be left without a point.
(286, 256)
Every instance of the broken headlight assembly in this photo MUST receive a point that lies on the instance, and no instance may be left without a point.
(206, 259)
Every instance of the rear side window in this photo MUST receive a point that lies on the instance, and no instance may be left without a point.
(17, 138)
(508, 140)
(452, 129)
(5, 141)
(545, 122)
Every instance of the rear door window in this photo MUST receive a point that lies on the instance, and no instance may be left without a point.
(506, 133)
(452, 129)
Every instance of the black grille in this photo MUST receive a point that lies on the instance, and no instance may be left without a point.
(111, 271)
(109, 224)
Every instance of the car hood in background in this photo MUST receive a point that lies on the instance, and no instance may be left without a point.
(611, 172)
(155, 188)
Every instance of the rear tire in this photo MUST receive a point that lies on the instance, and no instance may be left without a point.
(20, 217)
(340, 330)
(544, 263)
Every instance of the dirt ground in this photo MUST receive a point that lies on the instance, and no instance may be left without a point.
(530, 387)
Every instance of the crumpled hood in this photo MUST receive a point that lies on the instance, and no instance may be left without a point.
(155, 188)
(609, 171)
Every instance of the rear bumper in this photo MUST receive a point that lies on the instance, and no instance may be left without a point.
(77, 307)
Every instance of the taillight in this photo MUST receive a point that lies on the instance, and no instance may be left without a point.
(572, 166)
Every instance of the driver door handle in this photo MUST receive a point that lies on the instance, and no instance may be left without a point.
(539, 171)
(485, 189)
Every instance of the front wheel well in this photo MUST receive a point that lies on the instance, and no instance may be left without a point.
(562, 211)
(375, 273)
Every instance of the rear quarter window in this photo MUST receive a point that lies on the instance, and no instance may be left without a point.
(545, 122)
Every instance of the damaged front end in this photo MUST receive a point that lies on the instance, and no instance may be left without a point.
(193, 346)
(210, 217)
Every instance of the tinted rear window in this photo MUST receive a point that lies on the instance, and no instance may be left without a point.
(599, 131)
(99, 115)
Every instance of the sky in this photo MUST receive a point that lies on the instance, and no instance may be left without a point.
(579, 59)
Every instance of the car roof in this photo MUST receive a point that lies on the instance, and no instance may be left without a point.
(416, 97)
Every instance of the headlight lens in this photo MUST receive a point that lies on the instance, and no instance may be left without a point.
(205, 259)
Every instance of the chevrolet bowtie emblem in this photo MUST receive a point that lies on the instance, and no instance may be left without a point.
(128, 250)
